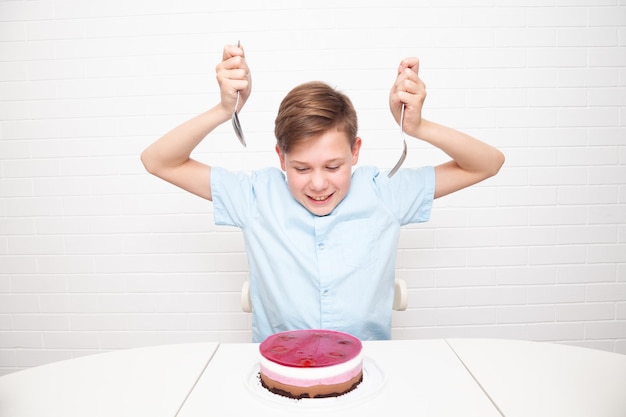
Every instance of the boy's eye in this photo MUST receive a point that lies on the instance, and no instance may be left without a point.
(301, 169)
(333, 168)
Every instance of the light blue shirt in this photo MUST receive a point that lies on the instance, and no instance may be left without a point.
(322, 272)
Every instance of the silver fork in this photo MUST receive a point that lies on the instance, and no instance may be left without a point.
(403, 156)
(235, 118)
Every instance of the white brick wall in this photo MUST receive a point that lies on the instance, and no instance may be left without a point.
(95, 254)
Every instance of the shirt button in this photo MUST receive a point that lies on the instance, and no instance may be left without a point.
(325, 293)
(321, 245)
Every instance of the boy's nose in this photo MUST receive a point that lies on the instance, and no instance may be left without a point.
(318, 181)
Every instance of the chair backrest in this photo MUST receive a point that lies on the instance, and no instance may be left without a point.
(246, 304)
(400, 296)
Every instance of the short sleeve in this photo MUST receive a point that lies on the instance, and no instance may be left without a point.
(409, 194)
(232, 197)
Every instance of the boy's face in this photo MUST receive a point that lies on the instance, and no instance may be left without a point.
(319, 171)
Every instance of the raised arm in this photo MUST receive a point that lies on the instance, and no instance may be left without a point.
(472, 160)
(169, 157)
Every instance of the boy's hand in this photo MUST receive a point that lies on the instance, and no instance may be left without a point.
(409, 90)
(233, 75)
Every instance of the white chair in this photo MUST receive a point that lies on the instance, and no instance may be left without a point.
(400, 296)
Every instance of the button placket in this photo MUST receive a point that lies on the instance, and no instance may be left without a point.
(325, 275)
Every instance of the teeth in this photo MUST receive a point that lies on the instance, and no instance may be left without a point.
(320, 198)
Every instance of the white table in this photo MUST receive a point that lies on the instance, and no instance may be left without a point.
(421, 377)
(137, 382)
(543, 379)
(416, 377)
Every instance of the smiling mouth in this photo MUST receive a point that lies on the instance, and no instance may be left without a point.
(320, 199)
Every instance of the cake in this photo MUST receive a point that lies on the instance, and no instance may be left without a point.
(311, 363)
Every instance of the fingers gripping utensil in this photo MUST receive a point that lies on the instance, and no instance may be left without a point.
(403, 156)
(235, 119)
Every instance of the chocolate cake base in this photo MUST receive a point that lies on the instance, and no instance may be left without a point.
(318, 391)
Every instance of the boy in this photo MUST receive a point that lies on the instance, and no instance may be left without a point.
(321, 239)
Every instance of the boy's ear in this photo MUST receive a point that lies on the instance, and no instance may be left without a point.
(281, 157)
(355, 150)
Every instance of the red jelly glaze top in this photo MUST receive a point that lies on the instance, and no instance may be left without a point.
(310, 348)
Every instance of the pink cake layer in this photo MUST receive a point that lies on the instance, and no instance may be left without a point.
(307, 377)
